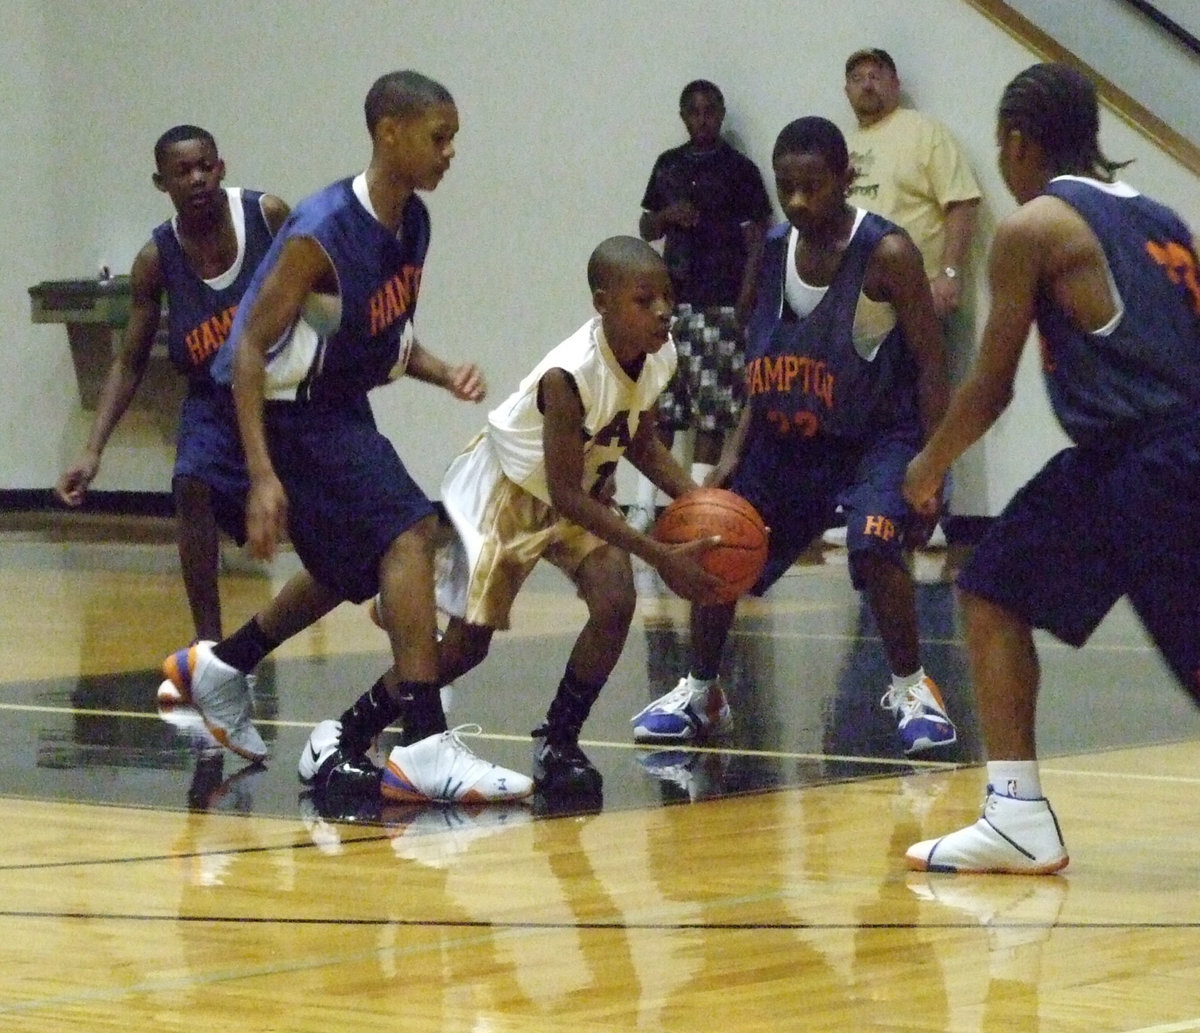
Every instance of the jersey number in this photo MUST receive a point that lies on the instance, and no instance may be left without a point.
(784, 424)
(1180, 266)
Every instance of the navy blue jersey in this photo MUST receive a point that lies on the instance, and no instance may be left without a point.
(1103, 386)
(199, 316)
(707, 261)
(378, 274)
(804, 376)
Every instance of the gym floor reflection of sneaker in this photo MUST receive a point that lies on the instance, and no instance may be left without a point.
(1016, 837)
(443, 769)
(697, 773)
(323, 813)
(1015, 911)
(235, 795)
(435, 836)
(692, 710)
(221, 694)
(921, 716)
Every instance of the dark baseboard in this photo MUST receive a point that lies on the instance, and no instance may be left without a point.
(109, 503)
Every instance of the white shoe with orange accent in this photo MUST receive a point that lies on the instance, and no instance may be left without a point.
(1015, 837)
(442, 769)
(220, 693)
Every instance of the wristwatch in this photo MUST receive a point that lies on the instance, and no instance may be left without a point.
(950, 273)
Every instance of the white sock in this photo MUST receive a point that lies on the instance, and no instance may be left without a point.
(903, 684)
(700, 471)
(1016, 778)
(699, 684)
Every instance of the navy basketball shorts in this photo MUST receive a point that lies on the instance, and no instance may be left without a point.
(349, 495)
(797, 487)
(209, 449)
(706, 390)
(1093, 526)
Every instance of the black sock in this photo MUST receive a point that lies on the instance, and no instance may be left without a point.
(569, 709)
(421, 704)
(245, 648)
(371, 713)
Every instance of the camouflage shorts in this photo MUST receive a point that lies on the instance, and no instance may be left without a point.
(707, 389)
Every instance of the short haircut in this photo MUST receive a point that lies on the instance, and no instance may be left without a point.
(1056, 107)
(400, 94)
(700, 86)
(876, 54)
(617, 256)
(177, 134)
(813, 134)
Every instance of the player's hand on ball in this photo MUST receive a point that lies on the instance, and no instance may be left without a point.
(683, 570)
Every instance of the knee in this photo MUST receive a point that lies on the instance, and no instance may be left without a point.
(606, 584)
(984, 617)
(612, 603)
(415, 543)
(463, 648)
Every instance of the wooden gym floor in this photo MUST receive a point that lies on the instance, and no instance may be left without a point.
(147, 882)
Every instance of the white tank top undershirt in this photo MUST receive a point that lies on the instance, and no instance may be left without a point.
(873, 320)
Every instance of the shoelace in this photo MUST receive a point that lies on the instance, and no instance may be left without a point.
(455, 737)
(904, 702)
(677, 698)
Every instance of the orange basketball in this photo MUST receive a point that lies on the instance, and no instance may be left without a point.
(742, 554)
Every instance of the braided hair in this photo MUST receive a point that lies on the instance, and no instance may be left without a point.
(1056, 107)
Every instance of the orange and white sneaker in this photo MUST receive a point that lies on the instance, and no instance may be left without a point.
(442, 769)
(1013, 837)
(221, 695)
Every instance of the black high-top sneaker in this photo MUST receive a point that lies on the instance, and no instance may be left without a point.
(563, 770)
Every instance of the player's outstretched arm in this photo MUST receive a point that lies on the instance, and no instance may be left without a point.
(124, 374)
(464, 380)
(1013, 271)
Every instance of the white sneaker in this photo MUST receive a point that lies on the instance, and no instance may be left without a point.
(221, 694)
(835, 537)
(442, 769)
(325, 835)
(1018, 837)
(684, 713)
(323, 743)
(921, 716)
(189, 724)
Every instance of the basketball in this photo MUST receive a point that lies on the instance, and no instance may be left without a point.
(742, 554)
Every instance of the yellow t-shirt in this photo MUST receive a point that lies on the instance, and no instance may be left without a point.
(909, 169)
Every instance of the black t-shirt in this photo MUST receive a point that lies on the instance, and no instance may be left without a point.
(707, 261)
